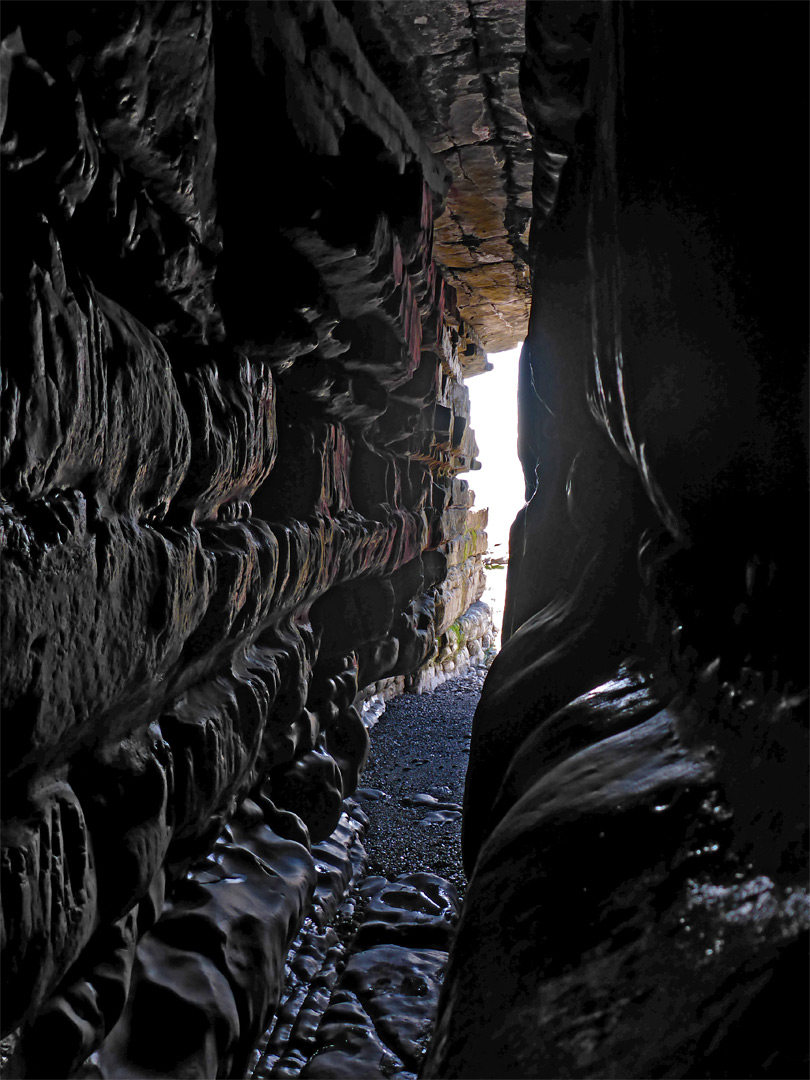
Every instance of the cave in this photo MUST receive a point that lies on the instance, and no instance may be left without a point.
(253, 253)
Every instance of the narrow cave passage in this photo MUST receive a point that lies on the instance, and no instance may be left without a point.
(393, 929)
(413, 784)
(385, 949)
(255, 256)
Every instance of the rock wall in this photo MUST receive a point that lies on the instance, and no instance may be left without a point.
(233, 419)
(636, 813)
(454, 66)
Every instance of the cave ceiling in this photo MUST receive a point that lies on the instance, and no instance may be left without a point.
(455, 67)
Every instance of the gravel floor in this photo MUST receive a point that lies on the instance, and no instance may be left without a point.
(413, 785)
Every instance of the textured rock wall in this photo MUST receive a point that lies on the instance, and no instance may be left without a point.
(233, 416)
(636, 813)
(233, 419)
(454, 64)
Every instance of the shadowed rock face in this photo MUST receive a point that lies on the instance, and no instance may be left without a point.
(233, 419)
(250, 253)
(635, 816)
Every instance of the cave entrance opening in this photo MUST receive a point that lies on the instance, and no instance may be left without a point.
(499, 483)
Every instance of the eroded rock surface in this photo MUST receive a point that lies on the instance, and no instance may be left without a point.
(455, 66)
(635, 815)
(363, 975)
(233, 419)
(380, 1016)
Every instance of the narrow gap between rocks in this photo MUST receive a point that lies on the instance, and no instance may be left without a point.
(412, 788)
(365, 974)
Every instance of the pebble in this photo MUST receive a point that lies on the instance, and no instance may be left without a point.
(367, 794)
(441, 817)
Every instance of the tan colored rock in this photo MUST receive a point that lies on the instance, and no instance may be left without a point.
(466, 103)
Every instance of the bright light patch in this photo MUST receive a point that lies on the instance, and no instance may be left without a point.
(499, 484)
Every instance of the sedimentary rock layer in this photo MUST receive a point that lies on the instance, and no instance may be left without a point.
(454, 65)
(233, 416)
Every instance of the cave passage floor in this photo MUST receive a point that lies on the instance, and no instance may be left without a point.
(419, 749)
(383, 953)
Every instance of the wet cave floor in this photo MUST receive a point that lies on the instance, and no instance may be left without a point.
(413, 785)
(364, 974)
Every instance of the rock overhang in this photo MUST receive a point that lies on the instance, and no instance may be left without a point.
(454, 65)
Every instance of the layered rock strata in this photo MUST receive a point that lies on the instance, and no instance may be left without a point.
(233, 416)
(635, 818)
(454, 64)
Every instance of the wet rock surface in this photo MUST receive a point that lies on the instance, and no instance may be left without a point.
(380, 1018)
(233, 423)
(319, 952)
(677, 926)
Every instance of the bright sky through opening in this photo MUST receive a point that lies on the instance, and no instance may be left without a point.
(499, 484)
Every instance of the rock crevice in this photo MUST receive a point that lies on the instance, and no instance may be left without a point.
(250, 254)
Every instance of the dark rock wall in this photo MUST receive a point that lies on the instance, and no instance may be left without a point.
(233, 416)
(636, 806)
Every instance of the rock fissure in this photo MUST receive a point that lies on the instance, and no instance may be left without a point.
(250, 255)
